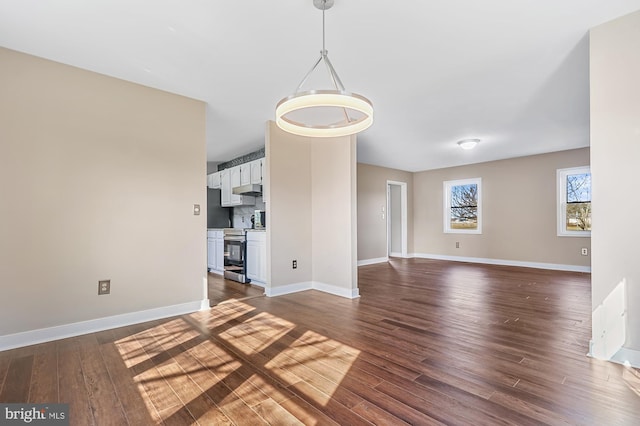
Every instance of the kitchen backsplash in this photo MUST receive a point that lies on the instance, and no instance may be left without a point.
(242, 214)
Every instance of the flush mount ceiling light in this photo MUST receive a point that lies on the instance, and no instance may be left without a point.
(468, 143)
(324, 113)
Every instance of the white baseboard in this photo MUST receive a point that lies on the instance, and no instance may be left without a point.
(214, 271)
(288, 289)
(394, 254)
(372, 261)
(312, 285)
(338, 291)
(503, 262)
(625, 356)
(32, 337)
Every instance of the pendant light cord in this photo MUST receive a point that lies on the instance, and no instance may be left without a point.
(335, 79)
(324, 7)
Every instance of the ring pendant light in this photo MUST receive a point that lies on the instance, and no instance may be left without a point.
(356, 111)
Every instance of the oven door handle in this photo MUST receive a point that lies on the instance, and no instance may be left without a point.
(233, 238)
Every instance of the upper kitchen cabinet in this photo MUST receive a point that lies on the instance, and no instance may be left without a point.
(225, 188)
(231, 178)
(251, 172)
(245, 173)
(256, 171)
(214, 180)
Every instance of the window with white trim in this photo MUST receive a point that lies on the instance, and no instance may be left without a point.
(574, 202)
(463, 206)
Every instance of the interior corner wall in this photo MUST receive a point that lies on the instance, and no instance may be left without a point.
(372, 197)
(615, 155)
(519, 212)
(311, 213)
(98, 178)
(333, 165)
(288, 209)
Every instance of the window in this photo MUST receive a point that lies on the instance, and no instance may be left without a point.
(574, 202)
(463, 206)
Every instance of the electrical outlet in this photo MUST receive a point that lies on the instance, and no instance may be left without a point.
(457, 244)
(104, 287)
(584, 251)
(294, 264)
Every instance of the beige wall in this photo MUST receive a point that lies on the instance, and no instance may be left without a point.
(334, 240)
(311, 211)
(98, 178)
(372, 196)
(615, 153)
(518, 210)
(288, 207)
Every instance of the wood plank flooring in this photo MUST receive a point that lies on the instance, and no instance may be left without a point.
(429, 342)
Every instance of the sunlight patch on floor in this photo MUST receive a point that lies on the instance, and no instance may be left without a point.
(316, 360)
(632, 378)
(257, 333)
(192, 360)
(223, 313)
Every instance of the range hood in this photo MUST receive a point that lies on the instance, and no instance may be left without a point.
(251, 189)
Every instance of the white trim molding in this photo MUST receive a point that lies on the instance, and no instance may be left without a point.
(366, 262)
(352, 293)
(625, 356)
(288, 289)
(312, 285)
(561, 183)
(628, 357)
(503, 262)
(447, 190)
(32, 337)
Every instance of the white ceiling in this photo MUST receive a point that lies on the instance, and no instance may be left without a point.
(512, 73)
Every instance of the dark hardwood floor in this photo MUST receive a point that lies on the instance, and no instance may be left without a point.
(428, 342)
(221, 290)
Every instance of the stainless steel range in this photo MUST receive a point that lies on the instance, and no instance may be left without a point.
(235, 251)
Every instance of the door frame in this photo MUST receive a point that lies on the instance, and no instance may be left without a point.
(403, 216)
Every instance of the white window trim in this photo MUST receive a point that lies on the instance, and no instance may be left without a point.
(561, 191)
(447, 205)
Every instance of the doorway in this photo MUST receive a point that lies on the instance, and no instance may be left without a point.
(396, 219)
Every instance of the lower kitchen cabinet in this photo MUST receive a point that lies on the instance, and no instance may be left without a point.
(257, 257)
(215, 251)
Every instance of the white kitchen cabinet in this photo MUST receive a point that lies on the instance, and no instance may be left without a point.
(236, 200)
(245, 173)
(215, 251)
(230, 178)
(256, 258)
(214, 180)
(225, 188)
(256, 171)
(219, 265)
